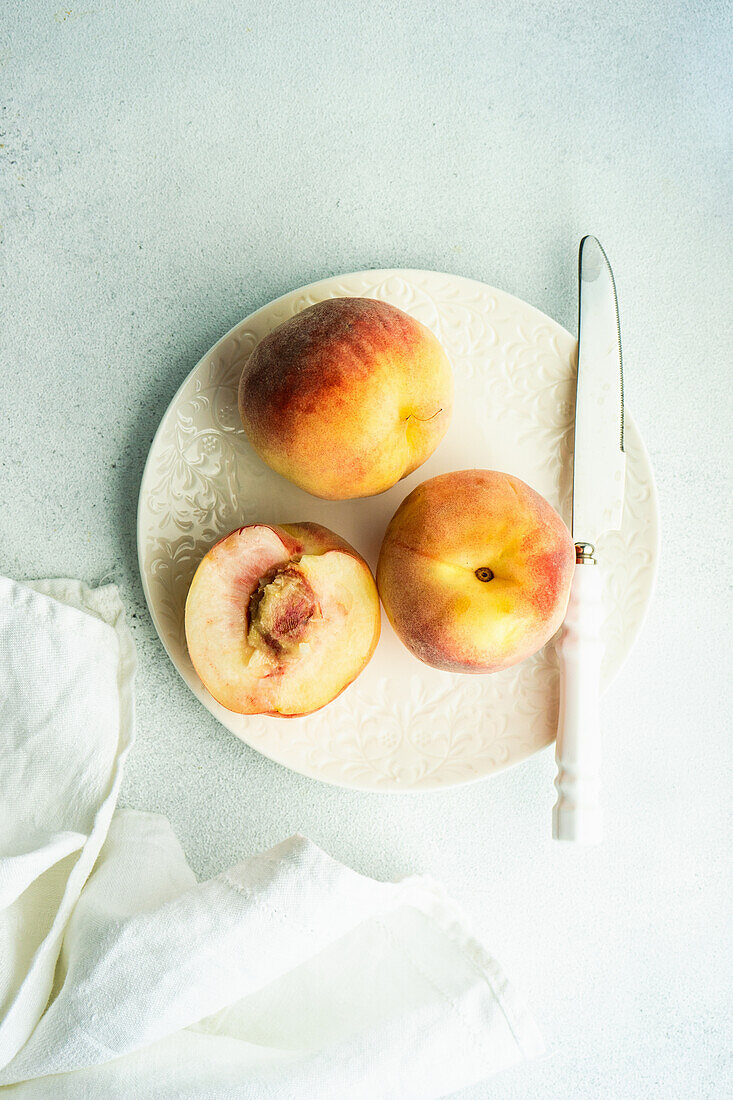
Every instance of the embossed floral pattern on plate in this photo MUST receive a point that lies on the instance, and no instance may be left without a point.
(401, 725)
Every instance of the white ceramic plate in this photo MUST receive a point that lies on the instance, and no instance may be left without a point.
(401, 725)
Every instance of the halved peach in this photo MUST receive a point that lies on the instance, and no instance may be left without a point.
(279, 620)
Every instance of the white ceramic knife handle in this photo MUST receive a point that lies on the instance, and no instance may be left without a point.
(577, 812)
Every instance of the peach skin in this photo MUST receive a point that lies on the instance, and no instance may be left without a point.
(474, 571)
(347, 397)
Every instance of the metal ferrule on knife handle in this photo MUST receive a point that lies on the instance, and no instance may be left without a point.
(585, 552)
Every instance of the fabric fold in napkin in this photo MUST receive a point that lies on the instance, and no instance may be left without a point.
(288, 975)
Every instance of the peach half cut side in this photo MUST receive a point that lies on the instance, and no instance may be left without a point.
(280, 619)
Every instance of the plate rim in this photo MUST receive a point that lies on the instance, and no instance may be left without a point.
(383, 273)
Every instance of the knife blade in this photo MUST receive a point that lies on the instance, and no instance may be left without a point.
(599, 469)
(599, 464)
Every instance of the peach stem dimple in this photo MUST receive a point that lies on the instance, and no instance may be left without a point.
(484, 573)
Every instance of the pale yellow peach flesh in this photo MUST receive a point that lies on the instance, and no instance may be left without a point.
(347, 397)
(475, 570)
(279, 620)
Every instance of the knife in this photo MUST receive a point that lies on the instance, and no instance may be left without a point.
(599, 468)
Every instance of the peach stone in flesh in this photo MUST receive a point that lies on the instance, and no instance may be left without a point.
(279, 620)
(475, 570)
(347, 397)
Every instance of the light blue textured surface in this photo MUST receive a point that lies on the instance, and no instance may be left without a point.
(167, 168)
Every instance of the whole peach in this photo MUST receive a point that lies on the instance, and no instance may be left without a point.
(347, 397)
(475, 571)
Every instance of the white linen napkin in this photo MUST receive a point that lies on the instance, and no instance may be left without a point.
(287, 976)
